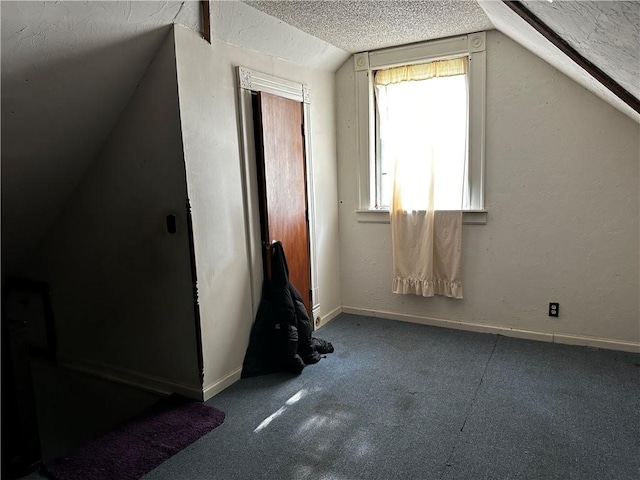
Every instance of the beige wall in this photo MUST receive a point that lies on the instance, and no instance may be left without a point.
(562, 194)
(210, 126)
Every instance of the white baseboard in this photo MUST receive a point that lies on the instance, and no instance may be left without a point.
(328, 317)
(219, 385)
(633, 347)
(610, 344)
(129, 377)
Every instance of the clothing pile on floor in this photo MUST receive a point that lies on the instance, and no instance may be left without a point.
(281, 335)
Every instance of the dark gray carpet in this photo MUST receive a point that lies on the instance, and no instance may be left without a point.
(404, 401)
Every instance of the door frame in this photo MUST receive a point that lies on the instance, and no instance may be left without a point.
(253, 81)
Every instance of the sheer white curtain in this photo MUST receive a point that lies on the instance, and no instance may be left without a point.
(423, 129)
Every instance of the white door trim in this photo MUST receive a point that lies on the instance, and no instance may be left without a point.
(253, 81)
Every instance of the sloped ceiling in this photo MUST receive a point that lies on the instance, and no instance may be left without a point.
(605, 33)
(68, 71)
(239, 24)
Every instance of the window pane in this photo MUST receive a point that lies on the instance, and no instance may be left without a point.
(423, 126)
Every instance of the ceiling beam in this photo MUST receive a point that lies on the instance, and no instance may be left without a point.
(205, 8)
(573, 54)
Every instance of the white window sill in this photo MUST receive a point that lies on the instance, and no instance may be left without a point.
(469, 217)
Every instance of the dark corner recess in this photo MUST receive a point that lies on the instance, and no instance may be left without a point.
(26, 307)
(573, 54)
(28, 330)
(171, 224)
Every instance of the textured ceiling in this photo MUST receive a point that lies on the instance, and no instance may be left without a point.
(356, 26)
(605, 33)
(512, 25)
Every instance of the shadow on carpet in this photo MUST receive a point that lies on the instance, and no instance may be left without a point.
(139, 445)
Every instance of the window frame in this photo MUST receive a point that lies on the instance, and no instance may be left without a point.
(472, 45)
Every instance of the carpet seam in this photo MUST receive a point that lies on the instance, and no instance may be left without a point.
(473, 401)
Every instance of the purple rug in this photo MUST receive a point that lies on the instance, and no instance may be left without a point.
(139, 445)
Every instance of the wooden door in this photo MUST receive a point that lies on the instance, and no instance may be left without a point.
(282, 185)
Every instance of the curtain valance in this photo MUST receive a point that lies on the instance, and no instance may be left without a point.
(423, 71)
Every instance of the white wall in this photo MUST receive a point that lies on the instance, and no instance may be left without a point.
(211, 125)
(562, 193)
(120, 284)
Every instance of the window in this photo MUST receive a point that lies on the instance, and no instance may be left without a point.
(457, 130)
(421, 125)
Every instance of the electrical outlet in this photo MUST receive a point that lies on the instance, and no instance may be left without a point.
(554, 309)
